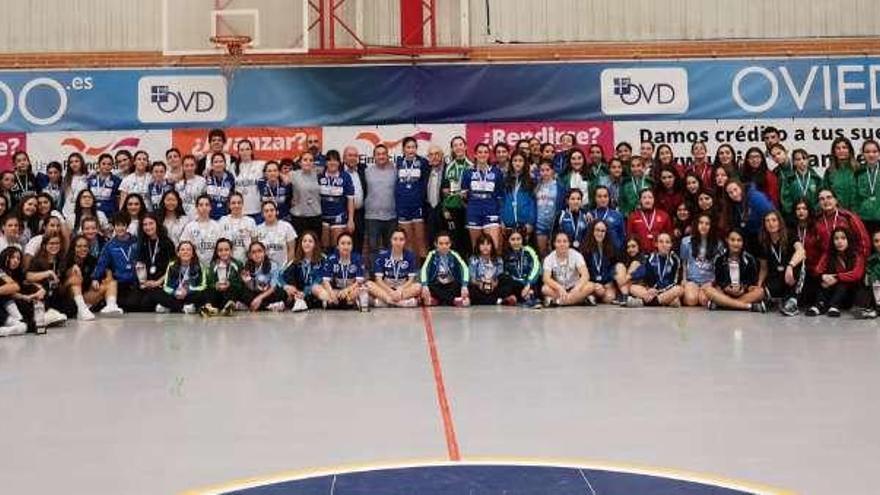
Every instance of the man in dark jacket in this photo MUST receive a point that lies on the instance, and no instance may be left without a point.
(433, 209)
(356, 168)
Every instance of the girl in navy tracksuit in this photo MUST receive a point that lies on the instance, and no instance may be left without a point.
(738, 277)
(301, 280)
(613, 219)
(572, 220)
(522, 268)
(601, 258)
(219, 185)
(273, 189)
(518, 212)
(660, 273)
(118, 258)
(444, 275)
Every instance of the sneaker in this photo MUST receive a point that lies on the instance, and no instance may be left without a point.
(790, 308)
(159, 309)
(412, 302)
(240, 306)
(276, 307)
(867, 314)
(711, 305)
(11, 320)
(55, 318)
(833, 312)
(758, 307)
(85, 314)
(813, 311)
(620, 299)
(634, 302)
(208, 311)
(16, 328)
(590, 300)
(189, 309)
(299, 305)
(111, 310)
(228, 308)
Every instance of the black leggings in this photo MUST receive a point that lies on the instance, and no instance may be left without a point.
(482, 298)
(445, 293)
(219, 298)
(176, 305)
(840, 295)
(778, 289)
(248, 296)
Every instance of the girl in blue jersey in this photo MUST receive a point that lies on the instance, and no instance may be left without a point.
(409, 194)
(486, 269)
(483, 187)
(337, 199)
(104, 185)
(518, 211)
(395, 271)
(444, 276)
(344, 276)
(219, 184)
(612, 218)
(259, 276)
(660, 273)
(601, 259)
(522, 269)
(549, 199)
(272, 188)
(158, 186)
(302, 278)
(51, 183)
(572, 220)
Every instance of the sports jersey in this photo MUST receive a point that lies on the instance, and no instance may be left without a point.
(485, 271)
(78, 184)
(106, 192)
(601, 267)
(189, 190)
(219, 189)
(246, 183)
(303, 274)
(136, 184)
(240, 232)
(564, 270)
(395, 271)
(276, 237)
(444, 269)
(659, 271)
(698, 261)
(522, 265)
(203, 235)
(412, 177)
(276, 192)
(155, 191)
(55, 191)
(342, 274)
(574, 224)
(335, 191)
(615, 222)
(548, 200)
(485, 189)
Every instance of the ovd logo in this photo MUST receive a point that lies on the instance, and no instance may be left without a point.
(182, 99)
(644, 91)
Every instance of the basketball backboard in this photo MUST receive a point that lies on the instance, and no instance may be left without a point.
(275, 26)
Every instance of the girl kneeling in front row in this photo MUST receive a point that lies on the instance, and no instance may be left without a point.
(444, 275)
(302, 278)
(566, 278)
(396, 270)
(660, 275)
(738, 277)
(185, 283)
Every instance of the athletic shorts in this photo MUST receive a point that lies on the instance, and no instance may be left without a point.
(409, 214)
(336, 220)
(542, 228)
(479, 220)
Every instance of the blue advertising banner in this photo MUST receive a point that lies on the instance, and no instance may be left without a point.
(443, 93)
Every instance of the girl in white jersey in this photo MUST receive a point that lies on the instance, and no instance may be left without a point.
(278, 236)
(139, 180)
(202, 232)
(239, 228)
(172, 216)
(247, 172)
(75, 181)
(190, 186)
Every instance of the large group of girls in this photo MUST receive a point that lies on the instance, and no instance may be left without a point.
(534, 224)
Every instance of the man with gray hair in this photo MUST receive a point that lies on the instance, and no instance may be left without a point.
(433, 195)
(356, 168)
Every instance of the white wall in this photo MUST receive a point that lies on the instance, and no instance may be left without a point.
(121, 25)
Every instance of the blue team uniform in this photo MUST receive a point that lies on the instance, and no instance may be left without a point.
(409, 191)
(219, 189)
(155, 191)
(106, 192)
(394, 271)
(485, 190)
(573, 224)
(54, 190)
(616, 225)
(303, 275)
(335, 191)
(342, 275)
(278, 193)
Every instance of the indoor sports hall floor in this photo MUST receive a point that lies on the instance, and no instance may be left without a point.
(155, 404)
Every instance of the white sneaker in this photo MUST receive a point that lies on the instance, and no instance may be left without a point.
(17, 328)
(276, 307)
(85, 314)
(111, 310)
(300, 305)
(55, 317)
(409, 303)
(162, 309)
(11, 320)
(189, 309)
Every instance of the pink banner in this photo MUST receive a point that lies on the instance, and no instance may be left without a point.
(585, 132)
(10, 142)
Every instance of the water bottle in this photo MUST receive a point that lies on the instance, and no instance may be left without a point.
(40, 317)
(875, 287)
(363, 300)
(734, 273)
(222, 273)
(141, 270)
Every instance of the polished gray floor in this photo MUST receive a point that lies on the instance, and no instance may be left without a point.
(160, 404)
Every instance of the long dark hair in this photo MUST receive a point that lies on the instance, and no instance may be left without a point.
(141, 212)
(758, 176)
(712, 236)
(592, 245)
(32, 223)
(525, 177)
(16, 274)
(178, 212)
(851, 247)
(485, 238)
(68, 175)
(161, 231)
(299, 254)
(70, 259)
(250, 266)
(835, 164)
(585, 169)
(764, 236)
(215, 257)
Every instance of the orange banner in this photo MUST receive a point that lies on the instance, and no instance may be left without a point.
(270, 143)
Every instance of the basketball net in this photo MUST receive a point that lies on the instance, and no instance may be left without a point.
(231, 60)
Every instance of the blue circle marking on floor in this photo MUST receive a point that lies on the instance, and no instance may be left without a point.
(493, 479)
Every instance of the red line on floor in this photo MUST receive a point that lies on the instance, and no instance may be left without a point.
(443, 402)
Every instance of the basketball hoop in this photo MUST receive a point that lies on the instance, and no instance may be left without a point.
(231, 61)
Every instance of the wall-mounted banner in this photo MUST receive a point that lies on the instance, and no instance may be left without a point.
(44, 147)
(270, 143)
(585, 133)
(442, 93)
(365, 138)
(10, 142)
